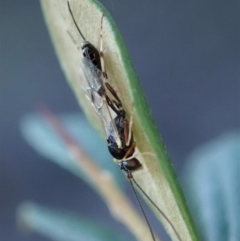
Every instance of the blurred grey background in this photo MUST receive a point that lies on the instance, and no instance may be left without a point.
(186, 54)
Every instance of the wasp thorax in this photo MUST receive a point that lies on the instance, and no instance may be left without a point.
(92, 54)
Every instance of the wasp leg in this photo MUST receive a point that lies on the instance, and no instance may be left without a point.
(129, 152)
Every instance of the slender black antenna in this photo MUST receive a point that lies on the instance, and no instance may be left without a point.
(144, 214)
(69, 8)
(160, 211)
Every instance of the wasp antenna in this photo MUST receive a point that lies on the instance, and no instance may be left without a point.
(101, 48)
(140, 205)
(101, 28)
(75, 23)
(159, 210)
(72, 38)
(102, 20)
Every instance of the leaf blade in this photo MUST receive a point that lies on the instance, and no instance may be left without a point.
(45, 141)
(60, 225)
(212, 183)
(157, 178)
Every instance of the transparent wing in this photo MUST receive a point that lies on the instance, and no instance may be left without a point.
(94, 85)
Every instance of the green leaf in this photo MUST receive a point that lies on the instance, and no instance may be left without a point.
(213, 188)
(40, 135)
(157, 177)
(62, 226)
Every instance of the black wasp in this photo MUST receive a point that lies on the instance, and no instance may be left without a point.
(102, 95)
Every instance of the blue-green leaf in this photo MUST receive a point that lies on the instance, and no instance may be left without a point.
(62, 226)
(41, 136)
(213, 188)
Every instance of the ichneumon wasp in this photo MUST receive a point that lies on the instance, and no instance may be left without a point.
(112, 115)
